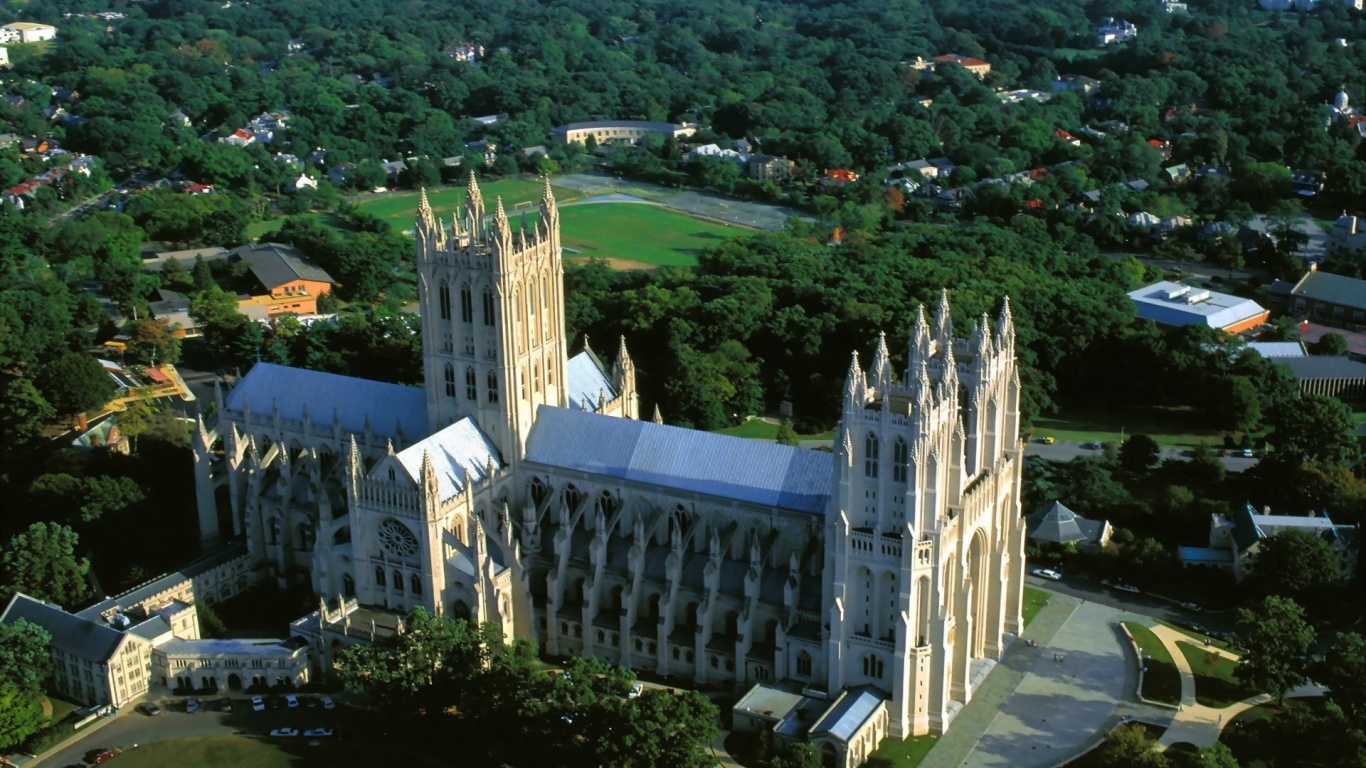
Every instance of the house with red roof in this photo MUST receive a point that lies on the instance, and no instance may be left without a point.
(1067, 138)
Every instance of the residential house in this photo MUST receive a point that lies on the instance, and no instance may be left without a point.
(1349, 233)
(539, 149)
(1323, 297)
(1023, 94)
(4, 56)
(1173, 6)
(920, 167)
(302, 182)
(489, 121)
(1067, 138)
(1174, 304)
(714, 150)
(838, 176)
(485, 149)
(1078, 83)
(337, 174)
(771, 168)
(618, 131)
(238, 138)
(173, 309)
(1243, 532)
(393, 169)
(973, 65)
(1112, 30)
(180, 118)
(1142, 220)
(1177, 174)
(844, 729)
(1307, 183)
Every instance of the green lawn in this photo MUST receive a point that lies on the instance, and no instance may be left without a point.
(61, 708)
(1198, 638)
(758, 429)
(398, 208)
(1215, 685)
(1034, 601)
(1162, 681)
(892, 753)
(1170, 428)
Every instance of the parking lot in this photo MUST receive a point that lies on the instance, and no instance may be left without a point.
(133, 726)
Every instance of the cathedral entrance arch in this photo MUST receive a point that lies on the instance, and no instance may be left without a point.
(460, 611)
(234, 682)
(977, 597)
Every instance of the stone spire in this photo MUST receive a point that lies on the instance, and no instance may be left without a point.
(1005, 328)
(943, 322)
(657, 418)
(920, 342)
(474, 201)
(550, 213)
(426, 221)
(431, 486)
(881, 370)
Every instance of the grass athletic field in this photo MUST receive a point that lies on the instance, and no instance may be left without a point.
(628, 235)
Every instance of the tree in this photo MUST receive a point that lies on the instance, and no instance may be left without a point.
(24, 658)
(1296, 565)
(21, 714)
(74, 383)
(1130, 746)
(422, 666)
(41, 562)
(23, 412)
(1217, 756)
(1278, 641)
(1138, 453)
(786, 434)
(1313, 427)
(798, 756)
(139, 415)
(1343, 671)
(659, 728)
(154, 343)
(1330, 344)
(202, 275)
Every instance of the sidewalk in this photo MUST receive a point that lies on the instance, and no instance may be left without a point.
(973, 721)
(1196, 723)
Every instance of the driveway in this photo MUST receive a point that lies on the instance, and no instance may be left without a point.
(1066, 450)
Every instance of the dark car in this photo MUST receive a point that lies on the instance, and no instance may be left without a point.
(225, 705)
(150, 709)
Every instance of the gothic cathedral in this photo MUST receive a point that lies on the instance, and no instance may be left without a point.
(519, 486)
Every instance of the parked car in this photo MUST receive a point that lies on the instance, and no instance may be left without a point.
(1130, 588)
(327, 702)
(258, 704)
(150, 709)
(1091, 446)
(1047, 573)
(291, 700)
(1247, 453)
(97, 756)
(225, 705)
(310, 702)
(285, 733)
(316, 733)
(191, 706)
(1049, 440)
(635, 691)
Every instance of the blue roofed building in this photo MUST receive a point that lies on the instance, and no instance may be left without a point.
(521, 486)
(1174, 304)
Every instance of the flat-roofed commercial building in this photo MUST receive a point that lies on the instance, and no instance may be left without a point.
(1168, 303)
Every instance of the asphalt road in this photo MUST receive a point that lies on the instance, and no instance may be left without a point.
(1065, 450)
(1160, 607)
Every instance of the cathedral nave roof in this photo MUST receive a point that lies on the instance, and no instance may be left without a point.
(454, 450)
(267, 386)
(586, 382)
(682, 459)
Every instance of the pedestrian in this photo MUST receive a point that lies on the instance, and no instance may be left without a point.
(1221, 719)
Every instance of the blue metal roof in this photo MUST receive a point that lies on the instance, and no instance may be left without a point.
(586, 381)
(682, 459)
(850, 712)
(1158, 303)
(459, 447)
(387, 405)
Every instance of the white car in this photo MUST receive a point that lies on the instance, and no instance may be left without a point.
(285, 733)
(291, 701)
(328, 703)
(317, 733)
(258, 703)
(1130, 588)
(635, 691)
(1047, 573)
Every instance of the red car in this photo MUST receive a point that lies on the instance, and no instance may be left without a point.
(97, 756)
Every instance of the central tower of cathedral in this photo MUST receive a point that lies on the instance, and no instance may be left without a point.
(492, 307)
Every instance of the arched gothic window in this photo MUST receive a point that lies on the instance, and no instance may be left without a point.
(493, 388)
(900, 458)
(535, 377)
(521, 383)
(415, 584)
(466, 304)
(398, 580)
(539, 491)
(572, 497)
(274, 532)
(872, 666)
(870, 447)
(379, 576)
(545, 292)
(804, 664)
(444, 299)
(531, 297)
(450, 380)
(488, 306)
(471, 384)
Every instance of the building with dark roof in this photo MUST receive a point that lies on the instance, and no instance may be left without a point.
(292, 282)
(1323, 297)
(1054, 523)
(1327, 375)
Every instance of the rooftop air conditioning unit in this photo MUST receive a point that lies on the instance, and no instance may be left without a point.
(1175, 293)
(1196, 298)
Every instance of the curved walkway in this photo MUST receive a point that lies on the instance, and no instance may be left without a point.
(1196, 723)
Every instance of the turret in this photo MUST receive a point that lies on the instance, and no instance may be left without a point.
(920, 344)
(881, 370)
(474, 201)
(943, 322)
(1005, 330)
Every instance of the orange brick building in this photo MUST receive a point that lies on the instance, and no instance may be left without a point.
(292, 283)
